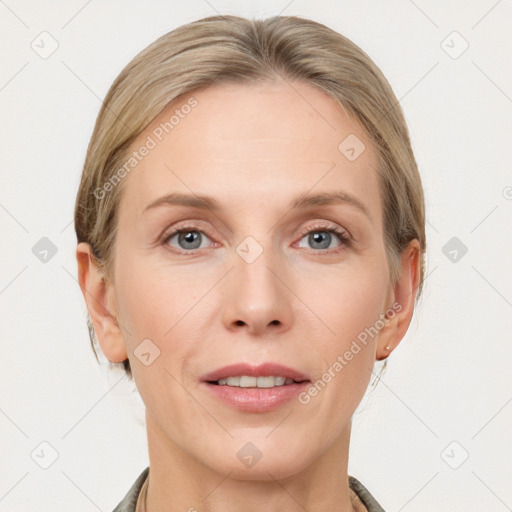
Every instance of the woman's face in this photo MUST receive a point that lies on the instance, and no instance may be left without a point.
(257, 279)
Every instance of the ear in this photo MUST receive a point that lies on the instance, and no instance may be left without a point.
(101, 304)
(401, 307)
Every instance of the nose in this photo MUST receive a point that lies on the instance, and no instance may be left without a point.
(257, 297)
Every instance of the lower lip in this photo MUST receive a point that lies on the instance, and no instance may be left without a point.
(256, 399)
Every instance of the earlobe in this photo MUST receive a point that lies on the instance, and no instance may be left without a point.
(401, 309)
(101, 305)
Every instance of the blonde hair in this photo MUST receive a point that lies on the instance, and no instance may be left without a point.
(234, 49)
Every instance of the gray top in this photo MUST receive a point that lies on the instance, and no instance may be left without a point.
(129, 502)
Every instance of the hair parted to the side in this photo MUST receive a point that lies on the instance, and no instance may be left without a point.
(235, 49)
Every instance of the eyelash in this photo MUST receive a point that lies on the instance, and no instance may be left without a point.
(328, 228)
(345, 239)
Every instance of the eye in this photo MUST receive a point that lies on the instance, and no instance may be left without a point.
(321, 237)
(188, 239)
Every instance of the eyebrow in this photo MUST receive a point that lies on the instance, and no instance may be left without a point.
(304, 200)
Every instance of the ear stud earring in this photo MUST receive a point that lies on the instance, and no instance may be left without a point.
(388, 347)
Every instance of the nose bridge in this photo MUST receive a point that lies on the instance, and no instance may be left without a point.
(258, 299)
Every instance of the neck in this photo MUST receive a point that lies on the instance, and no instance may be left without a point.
(179, 482)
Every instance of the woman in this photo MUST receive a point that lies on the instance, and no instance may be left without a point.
(251, 238)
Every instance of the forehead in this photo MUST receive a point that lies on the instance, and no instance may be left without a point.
(249, 143)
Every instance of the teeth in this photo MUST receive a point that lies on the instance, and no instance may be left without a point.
(246, 381)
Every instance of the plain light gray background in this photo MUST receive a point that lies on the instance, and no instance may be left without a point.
(447, 392)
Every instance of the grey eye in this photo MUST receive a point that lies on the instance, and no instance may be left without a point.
(188, 239)
(320, 239)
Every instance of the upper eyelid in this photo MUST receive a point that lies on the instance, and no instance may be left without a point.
(321, 224)
(317, 226)
(193, 225)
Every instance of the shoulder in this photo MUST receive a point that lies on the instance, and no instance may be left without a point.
(364, 495)
(128, 503)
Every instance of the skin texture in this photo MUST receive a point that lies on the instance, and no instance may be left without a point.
(254, 148)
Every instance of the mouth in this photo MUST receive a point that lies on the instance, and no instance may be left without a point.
(248, 381)
(255, 388)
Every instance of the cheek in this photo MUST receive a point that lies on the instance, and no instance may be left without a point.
(163, 305)
(143, 302)
(154, 306)
(343, 346)
(345, 301)
(150, 297)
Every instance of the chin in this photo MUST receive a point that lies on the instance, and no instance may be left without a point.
(271, 470)
(250, 463)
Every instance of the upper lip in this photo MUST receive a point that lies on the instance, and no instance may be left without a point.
(262, 370)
